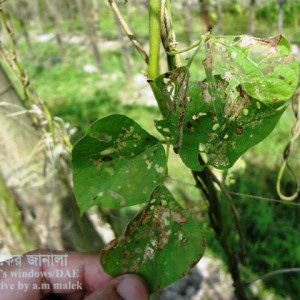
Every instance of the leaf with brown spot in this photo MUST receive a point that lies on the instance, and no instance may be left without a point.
(222, 141)
(263, 67)
(114, 164)
(161, 243)
(237, 105)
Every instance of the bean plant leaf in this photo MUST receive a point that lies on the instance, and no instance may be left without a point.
(263, 67)
(116, 164)
(162, 243)
(233, 109)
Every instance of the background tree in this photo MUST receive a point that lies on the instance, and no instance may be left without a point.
(251, 26)
(188, 20)
(204, 12)
(91, 20)
(218, 6)
(280, 16)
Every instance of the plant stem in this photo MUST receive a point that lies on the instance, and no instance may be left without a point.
(168, 35)
(234, 210)
(153, 66)
(186, 49)
(204, 37)
(217, 221)
(154, 35)
(282, 271)
(128, 31)
(168, 6)
(287, 151)
(14, 53)
(154, 30)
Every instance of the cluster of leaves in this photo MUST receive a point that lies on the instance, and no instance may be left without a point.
(211, 122)
(238, 104)
(119, 164)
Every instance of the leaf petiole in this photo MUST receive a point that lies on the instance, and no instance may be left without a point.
(204, 37)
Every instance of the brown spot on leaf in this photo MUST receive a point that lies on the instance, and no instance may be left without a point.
(178, 218)
(107, 158)
(239, 130)
(183, 274)
(242, 92)
(176, 149)
(97, 163)
(290, 83)
(275, 99)
(199, 256)
(189, 125)
(208, 61)
(184, 239)
(212, 111)
(125, 254)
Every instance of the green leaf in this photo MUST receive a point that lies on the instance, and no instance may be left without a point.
(116, 164)
(220, 143)
(215, 121)
(263, 67)
(162, 243)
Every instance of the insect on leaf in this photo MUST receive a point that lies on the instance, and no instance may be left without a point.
(162, 243)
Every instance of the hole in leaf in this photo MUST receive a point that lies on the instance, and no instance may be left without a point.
(102, 137)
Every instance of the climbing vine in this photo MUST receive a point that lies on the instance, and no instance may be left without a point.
(209, 122)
